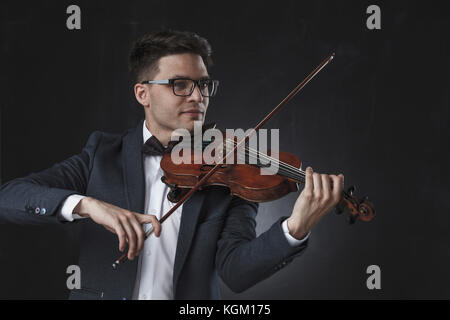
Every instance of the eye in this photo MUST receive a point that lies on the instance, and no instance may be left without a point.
(205, 84)
(181, 84)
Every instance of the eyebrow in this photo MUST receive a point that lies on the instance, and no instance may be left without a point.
(184, 76)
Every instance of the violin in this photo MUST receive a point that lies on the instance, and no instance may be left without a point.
(244, 180)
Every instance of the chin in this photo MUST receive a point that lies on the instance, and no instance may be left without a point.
(189, 125)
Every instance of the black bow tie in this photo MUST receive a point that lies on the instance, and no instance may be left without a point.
(153, 147)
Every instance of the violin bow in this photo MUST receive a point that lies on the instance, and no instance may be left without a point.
(299, 87)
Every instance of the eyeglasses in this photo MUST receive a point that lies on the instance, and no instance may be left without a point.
(184, 87)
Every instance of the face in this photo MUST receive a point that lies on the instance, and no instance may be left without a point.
(165, 111)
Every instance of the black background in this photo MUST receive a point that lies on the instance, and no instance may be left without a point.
(379, 113)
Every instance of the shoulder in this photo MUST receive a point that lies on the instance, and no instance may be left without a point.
(108, 142)
(108, 138)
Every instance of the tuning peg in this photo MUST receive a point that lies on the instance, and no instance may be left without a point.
(364, 199)
(351, 189)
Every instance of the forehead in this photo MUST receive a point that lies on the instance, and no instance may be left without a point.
(186, 64)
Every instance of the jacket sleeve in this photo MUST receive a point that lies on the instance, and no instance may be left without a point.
(36, 198)
(242, 258)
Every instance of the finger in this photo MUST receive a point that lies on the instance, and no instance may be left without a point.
(342, 180)
(152, 219)
(317, 185)
(139, 233)
(309, 184)
(118, 229)
(338, 186)
(155, 224)
(131, 236)
(341, 184)
(326, 189)
(141, 218)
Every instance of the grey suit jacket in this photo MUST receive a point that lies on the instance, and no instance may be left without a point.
(216, 237)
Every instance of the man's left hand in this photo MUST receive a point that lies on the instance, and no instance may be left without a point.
(316, 199)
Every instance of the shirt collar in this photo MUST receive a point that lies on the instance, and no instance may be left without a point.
(146, 133)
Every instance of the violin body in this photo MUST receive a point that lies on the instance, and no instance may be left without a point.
(243, 180)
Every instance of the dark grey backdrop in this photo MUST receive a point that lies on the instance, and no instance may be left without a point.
(379, 114)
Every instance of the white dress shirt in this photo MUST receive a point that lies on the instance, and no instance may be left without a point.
(154, 278)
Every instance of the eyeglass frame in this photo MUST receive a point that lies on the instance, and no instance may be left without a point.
(196, 83)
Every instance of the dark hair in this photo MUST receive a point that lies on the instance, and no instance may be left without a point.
(147, 51)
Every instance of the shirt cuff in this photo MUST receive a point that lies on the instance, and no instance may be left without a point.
(68, 205)
(293, 241)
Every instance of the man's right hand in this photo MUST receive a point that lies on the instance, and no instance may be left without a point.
(126, 224)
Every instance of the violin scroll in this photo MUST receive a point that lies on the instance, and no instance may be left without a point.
(358, 209)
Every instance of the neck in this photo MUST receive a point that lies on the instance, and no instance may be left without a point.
(162, 135)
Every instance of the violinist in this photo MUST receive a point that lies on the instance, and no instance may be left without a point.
(114, 188)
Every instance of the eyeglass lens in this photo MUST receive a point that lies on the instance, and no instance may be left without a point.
(185, 87)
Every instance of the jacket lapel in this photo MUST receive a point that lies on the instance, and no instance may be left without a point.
(133, 171)
(134, 184)
(189, 217)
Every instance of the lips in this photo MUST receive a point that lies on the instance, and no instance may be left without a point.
(193, 111)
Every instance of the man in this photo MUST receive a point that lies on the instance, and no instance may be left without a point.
(115, 190)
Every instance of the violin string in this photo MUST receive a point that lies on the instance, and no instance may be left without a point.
(295, 175)
(284, 168)
(286, 172)
(263, 155)
(281, 164)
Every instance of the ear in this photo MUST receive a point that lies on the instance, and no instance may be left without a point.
(142, 94)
